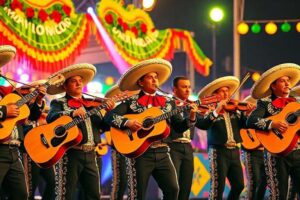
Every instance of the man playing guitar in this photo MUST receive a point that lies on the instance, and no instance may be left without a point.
(273, 93)
(155, 161)
(79, 163)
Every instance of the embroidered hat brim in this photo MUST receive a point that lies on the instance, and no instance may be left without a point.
(84, 70)
(227, 81)
(129, 80)
(261, 88)
(7, 53)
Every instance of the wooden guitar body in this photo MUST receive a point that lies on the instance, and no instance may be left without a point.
(249, 138)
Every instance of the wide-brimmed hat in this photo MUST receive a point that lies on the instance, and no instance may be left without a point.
(35, 83)
(85, 70)
(261, 88)
(295, 91)
(115, 90)
(129, 80)
(227, 81)
(250, 99)
(7, 53)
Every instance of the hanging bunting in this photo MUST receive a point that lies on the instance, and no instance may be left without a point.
(48, 34)
(136, 38)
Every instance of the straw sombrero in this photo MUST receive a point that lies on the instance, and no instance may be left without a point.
(85, 70)
(296, 91)
(7, 53)
(35, 83)
(115, 90)
(261, 88)
(129, 80)
(229, 81)
(250, 99)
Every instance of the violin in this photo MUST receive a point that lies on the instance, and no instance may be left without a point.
(233, 105)
(93, 102)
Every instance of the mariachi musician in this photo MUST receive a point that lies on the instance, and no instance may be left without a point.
(12, 177)
(32, 171)
(272, 92)
(223, 126)
(79, 163)
(147, 76)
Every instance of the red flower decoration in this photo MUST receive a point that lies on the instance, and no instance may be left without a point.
(153, 29)
(2, 2)
(56, 16)
(135, 31)
(120, 21)
(109, 18)
(30, 13)
(125, 27)
(16, 4)
(43, 16)
(67, 10)
(143, 28)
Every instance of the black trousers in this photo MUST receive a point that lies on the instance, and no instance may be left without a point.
(225, 163)
(34, 175)
(156, 162)
(279, 169)
(12, 177)
(256, 175)
(78, 167)
(183, 159)
(119, 180)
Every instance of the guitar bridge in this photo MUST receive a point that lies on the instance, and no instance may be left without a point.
(44, 141)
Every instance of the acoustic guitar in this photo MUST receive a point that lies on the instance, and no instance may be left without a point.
(7, 126)
(282, 143)
(154, 127)
(102, 148)
(46, 144)
(249, 138)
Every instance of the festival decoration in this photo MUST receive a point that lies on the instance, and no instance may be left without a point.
(47, 33)
(136, 38)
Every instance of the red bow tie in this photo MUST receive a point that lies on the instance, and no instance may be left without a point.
(155, 101)
(77, 102)
(282, 102)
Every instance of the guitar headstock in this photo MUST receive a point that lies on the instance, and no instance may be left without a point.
(57, 80)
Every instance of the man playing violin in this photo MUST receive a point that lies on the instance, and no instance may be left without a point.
(224, 139)
(79, 163)
(147, 76)
(12, 177)
(272, 92)
(181, 150)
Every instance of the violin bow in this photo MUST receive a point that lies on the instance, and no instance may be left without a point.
(241, 84)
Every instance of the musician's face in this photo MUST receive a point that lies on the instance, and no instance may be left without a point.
(183, 89)
(149, 82)
(223, 92)
(281, 87)
(73, 86)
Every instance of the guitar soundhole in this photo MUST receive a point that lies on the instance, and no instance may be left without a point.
(148, 123)
(143, 133)
(292, 118)
(60, 131)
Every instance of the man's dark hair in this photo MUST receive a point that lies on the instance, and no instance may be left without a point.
(177, 79)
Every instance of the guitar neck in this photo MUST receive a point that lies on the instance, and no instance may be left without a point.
(78, 120)
(29, 96)
(169, 114)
